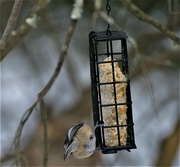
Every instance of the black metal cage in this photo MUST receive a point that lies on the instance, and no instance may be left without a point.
(111, 94)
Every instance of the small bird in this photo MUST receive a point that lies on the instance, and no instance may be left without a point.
(80, 141)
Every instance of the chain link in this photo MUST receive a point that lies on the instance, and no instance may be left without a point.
(108, 9)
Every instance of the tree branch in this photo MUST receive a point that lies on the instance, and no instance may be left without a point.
(150, 20)
(169, 147)
(43, 113)
(75, 15)
(18, 150)
(15, 37)
(11, 22)
(44, 91)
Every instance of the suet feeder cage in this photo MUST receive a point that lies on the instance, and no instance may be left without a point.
(111, 95)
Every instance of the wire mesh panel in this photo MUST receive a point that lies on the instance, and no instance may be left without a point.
(111, 94)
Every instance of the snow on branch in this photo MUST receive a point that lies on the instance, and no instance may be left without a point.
(25, 27)
(77, 10)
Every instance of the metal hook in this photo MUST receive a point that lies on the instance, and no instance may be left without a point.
(108, 9)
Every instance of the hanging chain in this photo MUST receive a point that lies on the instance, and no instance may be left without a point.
(108, 9)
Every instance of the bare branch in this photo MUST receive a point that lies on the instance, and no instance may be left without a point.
(174, 6)
(43, 112)
(76, 15)
(44, 91)
(150, 20)
(11, 22)
(18, 150)
(97, 6)
(61, 59)
(153, 101)
(169, 147)
(15, 37)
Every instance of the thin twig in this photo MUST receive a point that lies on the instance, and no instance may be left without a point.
(44, 91)
(18, 150)
(153, 101)
(16, 36)
(169, 148)
(76, 15)
(61, 59)
(11, 22)
(150, 20)
(174, 7)
(97, 6)
(43, 113)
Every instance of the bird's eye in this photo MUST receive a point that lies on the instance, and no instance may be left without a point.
(91, 137)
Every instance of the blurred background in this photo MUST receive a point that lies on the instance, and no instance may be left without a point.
(154, 72)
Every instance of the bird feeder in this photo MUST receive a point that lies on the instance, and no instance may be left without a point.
(111, 95)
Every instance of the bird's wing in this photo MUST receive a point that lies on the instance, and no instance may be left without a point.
(72, 131)
(71, 148)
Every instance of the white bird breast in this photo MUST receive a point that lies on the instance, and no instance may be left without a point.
(91, 145)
